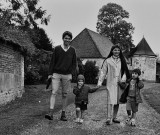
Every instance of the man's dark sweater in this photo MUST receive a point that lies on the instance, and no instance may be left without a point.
(63, 62)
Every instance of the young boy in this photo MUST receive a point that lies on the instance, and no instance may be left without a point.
(133, 97)
(81, 100)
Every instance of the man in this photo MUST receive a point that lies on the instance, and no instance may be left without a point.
(62, 66)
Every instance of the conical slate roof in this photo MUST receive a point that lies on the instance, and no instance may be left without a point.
(143, 48)
(89, 44)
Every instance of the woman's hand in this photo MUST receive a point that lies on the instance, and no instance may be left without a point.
(122, 84)
(50, 76)
(98, 86)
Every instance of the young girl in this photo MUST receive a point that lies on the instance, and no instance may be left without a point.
(116, 69)
(81, 99)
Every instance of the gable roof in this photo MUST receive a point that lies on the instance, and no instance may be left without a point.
(18, 38)
(143, 48)
(89, 44)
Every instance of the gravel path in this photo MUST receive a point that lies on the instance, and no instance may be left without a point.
(148, 120)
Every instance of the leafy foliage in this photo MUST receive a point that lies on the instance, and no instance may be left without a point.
(40, 39)
(91, 72)
(18, 37)
(41, 58)
(24, 16)
(80, 66)
(80, 70)
(36, 66)
(23, 13)
(31, 76)
(112, 24)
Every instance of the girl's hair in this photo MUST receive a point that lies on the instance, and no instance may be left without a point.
(124, 67)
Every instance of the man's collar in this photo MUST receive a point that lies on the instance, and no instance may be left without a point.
(64, 48)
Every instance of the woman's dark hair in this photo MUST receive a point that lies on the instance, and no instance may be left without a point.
(124, 67)
(67, 33)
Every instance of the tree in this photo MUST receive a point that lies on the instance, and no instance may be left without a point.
(23, 13)
(90, 72)
(112, 24)
(40, 39)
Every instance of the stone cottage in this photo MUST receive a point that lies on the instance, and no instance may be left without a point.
(91, 46)
(144, 58)
(14, 44)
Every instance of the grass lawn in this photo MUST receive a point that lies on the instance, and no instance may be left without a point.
(28, 110)
(152, 96)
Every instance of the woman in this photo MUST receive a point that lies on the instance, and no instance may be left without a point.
(115, 67)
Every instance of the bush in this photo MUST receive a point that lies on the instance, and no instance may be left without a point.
(79, 70)
(36, 67)
(90, 72)
(31, 76)
(43, 71)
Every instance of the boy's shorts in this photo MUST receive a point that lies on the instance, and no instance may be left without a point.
(82, 106)
(131, 104)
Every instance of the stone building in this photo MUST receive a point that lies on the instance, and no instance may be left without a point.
(91, 46)
(143, 57)
(14, 44)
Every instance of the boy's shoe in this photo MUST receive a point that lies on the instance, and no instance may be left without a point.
(109, 122)
(80, 120)
(128, 120)
(49, 117)
(63, 118)
(115, 120)
(133, 122)
(77, 120)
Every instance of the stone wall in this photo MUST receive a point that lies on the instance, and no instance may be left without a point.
(147, 65)
(11, 74)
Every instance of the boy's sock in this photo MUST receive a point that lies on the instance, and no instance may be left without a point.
(77, 120)
(129, 112)
(129, 116)
(51, 111)
(133, 122)
(63, 113)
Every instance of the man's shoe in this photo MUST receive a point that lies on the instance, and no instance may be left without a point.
(109, 122)
(63, 118)
(49, 117)
(115, 120)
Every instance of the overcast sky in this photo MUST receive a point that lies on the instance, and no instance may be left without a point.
(75, 15)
